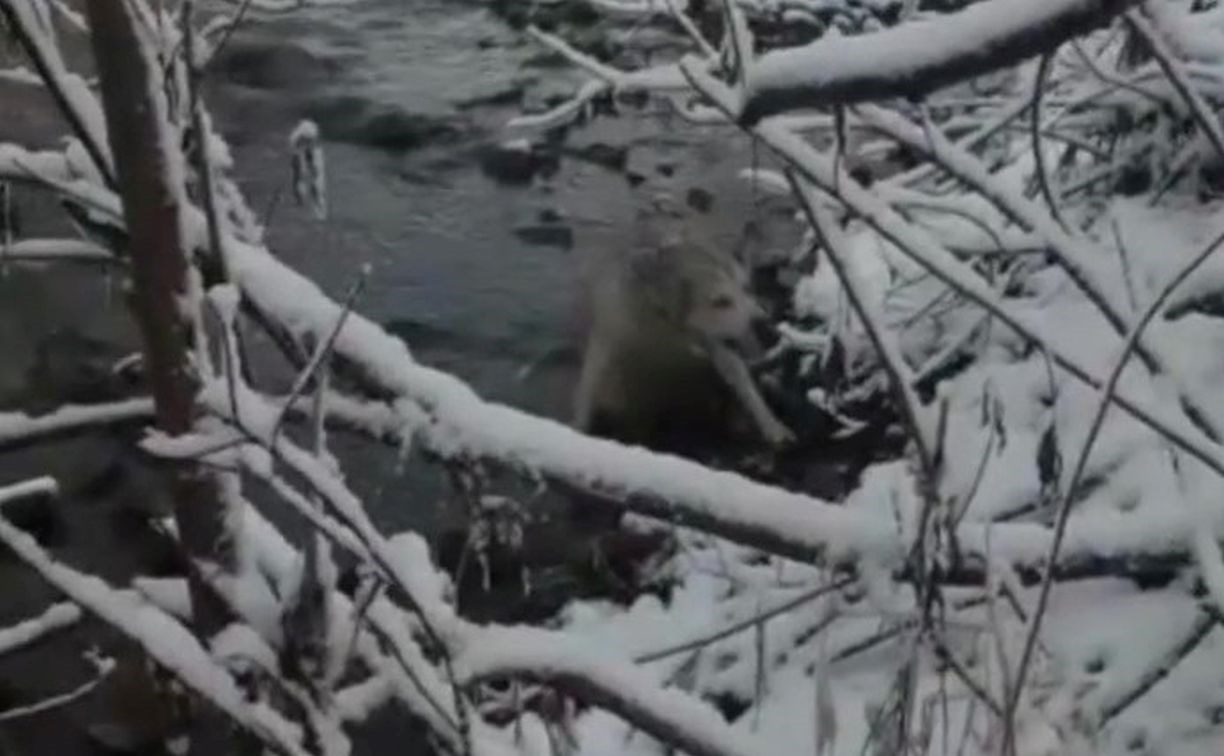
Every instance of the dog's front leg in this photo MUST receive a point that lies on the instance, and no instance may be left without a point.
(731, 368)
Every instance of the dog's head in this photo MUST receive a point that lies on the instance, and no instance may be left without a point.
(704, 293)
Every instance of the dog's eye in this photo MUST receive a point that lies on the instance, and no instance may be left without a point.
(722, 302)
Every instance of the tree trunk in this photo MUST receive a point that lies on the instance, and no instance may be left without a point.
(148, 165)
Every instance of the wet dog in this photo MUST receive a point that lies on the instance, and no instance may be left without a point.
(671, 328)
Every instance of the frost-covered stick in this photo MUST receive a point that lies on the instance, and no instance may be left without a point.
(42, 487)
(104, 666)
(915, 58)
(18, 429)
(57, 617)
(1064, 507)
(57, 250)
(1178, 76)
(918, 244)
(42, 50)
(163, 638)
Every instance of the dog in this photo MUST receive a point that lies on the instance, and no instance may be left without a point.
(671, 328)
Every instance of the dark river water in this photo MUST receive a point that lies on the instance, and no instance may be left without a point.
(473, 263)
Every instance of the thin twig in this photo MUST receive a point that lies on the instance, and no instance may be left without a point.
(743, 625)
(105, 666)
(1039, 158)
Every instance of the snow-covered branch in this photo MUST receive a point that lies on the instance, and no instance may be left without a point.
(917, 57)
(671, 716)
(20, 429)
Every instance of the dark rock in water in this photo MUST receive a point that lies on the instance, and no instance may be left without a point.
(546, 59)
(634, 178)
(548, 215)
(548, 16)
(395, 129)
(638, 99)
(271, 65)
(357, 120)
(516, 162)
(610, 156)
(511, 94)
(700, 199)
(546, 234)
(666, 169)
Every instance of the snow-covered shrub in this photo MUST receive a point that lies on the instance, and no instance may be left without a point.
(1009, 218)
